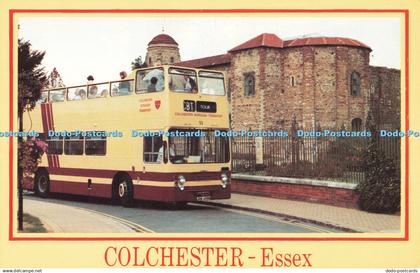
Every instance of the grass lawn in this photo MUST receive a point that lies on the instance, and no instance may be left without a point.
(32, 224)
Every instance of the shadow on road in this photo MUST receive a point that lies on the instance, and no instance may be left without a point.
(152, 205)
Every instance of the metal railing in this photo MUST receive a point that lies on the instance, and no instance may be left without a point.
(327, 158)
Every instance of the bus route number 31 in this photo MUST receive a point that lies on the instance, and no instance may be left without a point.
(189, 105)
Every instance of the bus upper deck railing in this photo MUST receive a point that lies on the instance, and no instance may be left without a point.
(151, 80)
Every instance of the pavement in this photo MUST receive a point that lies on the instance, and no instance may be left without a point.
(346, 219)
(63, 218)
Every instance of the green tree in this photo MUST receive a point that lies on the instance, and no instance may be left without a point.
(381, 189)
(31, 81)
(138, 63)
(31, 76)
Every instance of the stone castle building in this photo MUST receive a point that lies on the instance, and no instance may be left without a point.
(162, 49)
(322, 82)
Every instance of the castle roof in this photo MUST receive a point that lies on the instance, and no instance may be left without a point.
(273, 41)
(337, 41)
(262, 40)
(163, 39)
(207, 61)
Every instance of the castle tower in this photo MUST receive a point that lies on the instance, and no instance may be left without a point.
(162, 49)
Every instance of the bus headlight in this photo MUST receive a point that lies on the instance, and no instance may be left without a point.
(181, 182)
(225, 180)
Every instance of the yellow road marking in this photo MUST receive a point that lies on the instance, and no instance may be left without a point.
(270, 218)
(273, 218)
(135, 226)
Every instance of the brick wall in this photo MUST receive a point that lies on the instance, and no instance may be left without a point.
(245, 109)
(385, 96)
(311, 83)
(318, 194)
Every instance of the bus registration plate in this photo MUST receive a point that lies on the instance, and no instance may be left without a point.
(203, 196)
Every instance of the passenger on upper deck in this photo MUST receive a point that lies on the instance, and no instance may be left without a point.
(104, 93)
(93, 90)
(90, 79)
(158, 75)
(80, 95)
(182, 83)
(123, 75)
(124, 87)
(152, 86)
(190, 84)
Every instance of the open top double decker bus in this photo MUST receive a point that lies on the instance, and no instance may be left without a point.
(155, 136)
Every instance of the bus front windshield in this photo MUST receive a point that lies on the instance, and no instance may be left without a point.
(197, 146)
(211, 83)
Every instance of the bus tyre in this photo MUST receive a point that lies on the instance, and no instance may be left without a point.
(125, 191)
(42, 184)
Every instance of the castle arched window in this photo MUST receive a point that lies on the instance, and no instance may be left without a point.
(172, 60)
(249, 84)
(355, 84)
(356, 124)
(150, 61)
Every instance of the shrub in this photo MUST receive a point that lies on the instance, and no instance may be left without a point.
(30, 153)
(381, 190)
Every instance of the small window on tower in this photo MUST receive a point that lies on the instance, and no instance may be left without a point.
(249, 84)
(355, 84)
(172, 60)
(292, 81)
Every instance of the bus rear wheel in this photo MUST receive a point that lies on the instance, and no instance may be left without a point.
(42, 184)
(125, 191)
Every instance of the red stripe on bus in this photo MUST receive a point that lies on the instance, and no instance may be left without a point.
(45, 127)
(49, 121)
(156, 193)
(52, 127)
(81, 188)
(171, 194)
(54, 157)
(150, 176)
(49, 159)
(44, 119)
(51, 117)
(48, 124)
(68, 187)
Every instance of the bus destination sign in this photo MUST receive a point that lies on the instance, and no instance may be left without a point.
(200, 106)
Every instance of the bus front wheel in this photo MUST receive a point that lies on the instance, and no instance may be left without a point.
(125, 191)
(42, 184)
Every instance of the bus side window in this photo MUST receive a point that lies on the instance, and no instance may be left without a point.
(76, 93)
(55, 145)
(182, 80)
(95, 145)
(151, 80)
(122, 88)
(153, 149)
(43, 97)
(98, 91)
(57, 95)
(73, 145)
